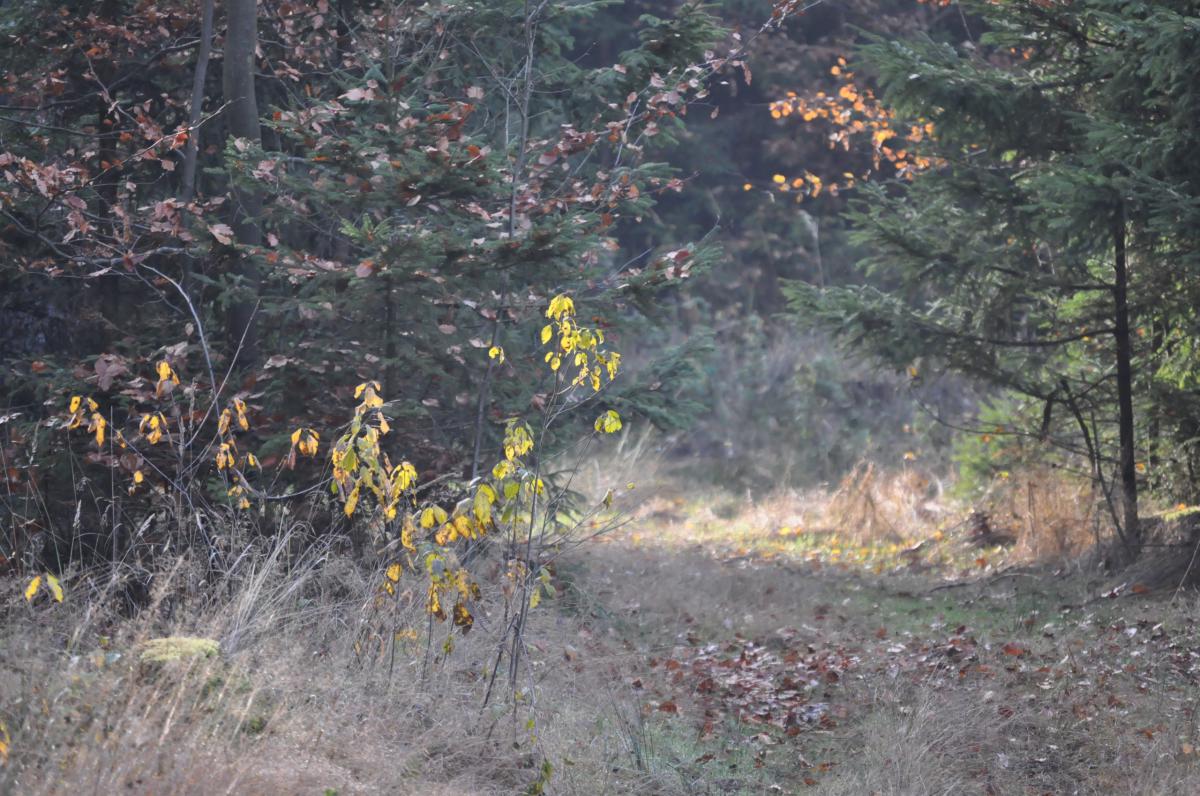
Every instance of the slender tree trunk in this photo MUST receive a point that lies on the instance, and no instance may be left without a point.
(107, 122)
(191, 153)
(518, 174)
(1154, 430)
(389, 337)
(1131, 535)
(241, 114)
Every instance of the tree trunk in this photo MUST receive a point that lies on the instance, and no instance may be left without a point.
(1131, 533)
(191, 152)
(241, 115)
(107, 123)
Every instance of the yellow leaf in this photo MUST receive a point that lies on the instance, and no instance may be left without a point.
(76, 401)
(462, 617)
(535, 598)
(393, 572)
(240, 406)
(351, 501)
(404, 475)
(32, 589)
(612, 365)
(502, 469)
(547, 333)
(406, 534)
(608, 423)
(560, 306)
(138, 477)
(308, 445)
(482, 508)
(497, 353)
(427, 519)
(55, 587)
(383, 425)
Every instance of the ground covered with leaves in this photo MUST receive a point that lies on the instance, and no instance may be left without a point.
(935, 668)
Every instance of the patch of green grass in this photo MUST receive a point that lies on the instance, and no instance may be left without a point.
(255, 725)
(738, 758)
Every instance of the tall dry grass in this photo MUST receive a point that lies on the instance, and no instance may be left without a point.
(293, 704)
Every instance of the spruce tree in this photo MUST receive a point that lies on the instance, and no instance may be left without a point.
(1047, 249)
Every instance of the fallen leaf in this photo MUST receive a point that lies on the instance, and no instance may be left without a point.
(222, 232)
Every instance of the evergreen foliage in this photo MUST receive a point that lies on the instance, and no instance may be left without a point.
(421, 179)
(1048, 251)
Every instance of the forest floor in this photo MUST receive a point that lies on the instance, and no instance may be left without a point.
(773, 658)
(711, 645)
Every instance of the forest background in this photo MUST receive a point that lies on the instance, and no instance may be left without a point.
(419, 288)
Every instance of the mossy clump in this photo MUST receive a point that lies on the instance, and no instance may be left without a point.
(175, 648)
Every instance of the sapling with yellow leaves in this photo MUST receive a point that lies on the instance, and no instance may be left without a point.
(421, 532)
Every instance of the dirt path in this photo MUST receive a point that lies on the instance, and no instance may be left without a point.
(760, 669)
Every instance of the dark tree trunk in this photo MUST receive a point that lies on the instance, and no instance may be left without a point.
(1131, 533)
(195, 112)
(241, 116)
(106, 189)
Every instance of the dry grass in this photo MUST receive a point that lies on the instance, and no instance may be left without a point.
(289, 706)
(1100, 699)
(1053, 516)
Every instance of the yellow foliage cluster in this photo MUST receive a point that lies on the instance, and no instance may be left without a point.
(371, 487)
(86, 409)
(578, 345)
(851, 112)
(52, 585)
